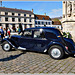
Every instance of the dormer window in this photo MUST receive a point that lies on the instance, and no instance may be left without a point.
(36, 17)
(43, 18)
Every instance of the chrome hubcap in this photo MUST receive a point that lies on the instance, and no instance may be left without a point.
(55, 52)
(6, 47)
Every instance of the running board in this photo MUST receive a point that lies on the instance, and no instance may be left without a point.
(21, 48)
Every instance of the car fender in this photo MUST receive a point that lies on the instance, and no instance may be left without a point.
(57, 43)
(9, 41)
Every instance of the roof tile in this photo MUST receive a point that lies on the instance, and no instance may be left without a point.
(15, 10)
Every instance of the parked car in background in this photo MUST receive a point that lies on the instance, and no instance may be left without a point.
(41, 39)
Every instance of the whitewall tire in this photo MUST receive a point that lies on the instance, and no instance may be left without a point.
(56, 52)
(6, 46)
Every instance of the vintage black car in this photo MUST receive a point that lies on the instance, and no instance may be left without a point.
(41, 39)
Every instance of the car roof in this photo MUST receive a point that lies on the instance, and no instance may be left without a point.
(53, 28)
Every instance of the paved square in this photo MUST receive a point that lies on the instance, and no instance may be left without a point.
(33, 62)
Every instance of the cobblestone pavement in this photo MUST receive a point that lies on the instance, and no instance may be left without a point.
(33, 62)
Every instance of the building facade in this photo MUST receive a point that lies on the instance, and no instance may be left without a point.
(68, 20)
(13, 18)
(42, 20)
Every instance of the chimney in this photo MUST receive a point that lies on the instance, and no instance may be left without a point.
(32, 10)
(45, 14)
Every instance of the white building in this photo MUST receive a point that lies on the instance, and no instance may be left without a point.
(13, 18)
(42, 20)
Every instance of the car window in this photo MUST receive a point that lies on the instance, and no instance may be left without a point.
(28, 33)
(51, 35)
(38, 34)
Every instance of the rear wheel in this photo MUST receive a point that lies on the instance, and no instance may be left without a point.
(6, 46)
(56, 52)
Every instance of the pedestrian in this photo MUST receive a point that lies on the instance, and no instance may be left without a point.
(8, 31)
(17, 29)
(2, 32)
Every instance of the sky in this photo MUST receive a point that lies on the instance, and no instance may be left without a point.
(51, 8)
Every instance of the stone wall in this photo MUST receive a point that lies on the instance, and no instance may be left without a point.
(68, 20)
(70, 27)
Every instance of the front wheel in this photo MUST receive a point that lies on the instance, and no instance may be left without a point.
(6, 46)
(56, 52)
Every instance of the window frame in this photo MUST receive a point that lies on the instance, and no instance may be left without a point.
(30, 20)
(39, 22)
(35, 22)
(0, 19)
(40, 33)
(19, 19)
(52, 35)
(19, 14)
(30, 15)
(24, 19)
(6, 13)
(13, 19)
(25, 15)
(27, 36)
(13, 14)
(5, 19)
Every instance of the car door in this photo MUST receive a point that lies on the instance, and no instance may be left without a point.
(26, 40)
(40, 41)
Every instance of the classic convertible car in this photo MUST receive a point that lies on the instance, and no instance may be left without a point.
(41, 39)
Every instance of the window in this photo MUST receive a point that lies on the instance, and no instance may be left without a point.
(30, 15)
(51, 35)
(19, 19)
(24, 20)
(38, 22)
(43, 18)
(35, 22)
(18, 14)
(0, 24)
(49, 23)
(46, 23)
(36, 17)
(6, 13)
(28, 33)
(24, 14)
(0, 18)
(12, 13)
(6, 19)
(38, 34)
(13, 19)
(29, 20)
(43, 23)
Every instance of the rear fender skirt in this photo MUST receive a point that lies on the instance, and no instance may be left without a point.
(57, 43)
